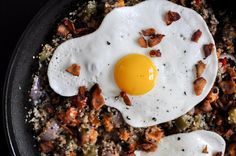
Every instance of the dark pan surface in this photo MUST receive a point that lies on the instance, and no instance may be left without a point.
(18, 80)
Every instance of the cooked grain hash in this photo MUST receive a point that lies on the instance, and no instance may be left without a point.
(82, 126)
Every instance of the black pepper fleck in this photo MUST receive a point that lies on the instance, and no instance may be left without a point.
(185, 51)
(163, 87)
(164, 64)
(128, 118)
(182, 150)
(108, 43)
(127, 108)
(117, 97)
(185, 93)
(167, 111)
(154, 119)
(178, 138)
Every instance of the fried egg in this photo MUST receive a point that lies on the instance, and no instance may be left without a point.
(186, 144)
(160, 88)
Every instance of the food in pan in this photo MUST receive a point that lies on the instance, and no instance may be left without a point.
(136, 78)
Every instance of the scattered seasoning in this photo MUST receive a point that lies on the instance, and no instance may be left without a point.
(208, 49)
(127, 108)
(171, 17)
(128, 118)
(117, 97)
(164, 64)
(183, 150)
(185, 93)
(167, 111)
(178, 138)
(74, 69)
(155, 53)
(154, 119)
(205, 150)
(108, 43)
(185, 51)
(196, 35)
(163, 87)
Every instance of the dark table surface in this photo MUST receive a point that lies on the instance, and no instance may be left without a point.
(14, 17)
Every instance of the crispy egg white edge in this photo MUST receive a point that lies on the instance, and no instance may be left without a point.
(192, 143)
(59, 80)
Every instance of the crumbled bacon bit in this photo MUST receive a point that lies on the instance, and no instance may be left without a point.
(69, 24)
(89, 136)
(196, 35)
(218, 154)
(232, 149)
(125, 98)
(149, 32)
(199, 84)
(132, 147)
(229, 133)
(148, 147)
(228, 87)
(223, 62)
(46, 146)
(155, 53)
(80, 100)
(124, 135)
(200, 67)
(142, 42)
(205, 150)
(97, 98)
(171, 17)
(206, 107)
(120, 3)
(155, 39)
(130, 154)
(232, 73)
(107, 120)
(71, 116)
(154, 134)
(62, 30)
(93, 119)
(74, 69)
(208, 49)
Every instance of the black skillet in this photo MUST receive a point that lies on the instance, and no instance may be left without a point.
(18, 80)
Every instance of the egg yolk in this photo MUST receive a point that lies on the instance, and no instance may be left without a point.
(135, 74)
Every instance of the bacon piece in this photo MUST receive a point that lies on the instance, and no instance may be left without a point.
(154, 134)
(228, 87)
(155, 39)
(107, 120)
(171, 17)
(200, 67)
(149, 32)
(74, 69)
(62, 30)
(155, 53)
(148, 147)
(196, 35)
(125, 98)
(218, 154)
(142, 42)
(199, 84)
(232, 73)
(71, 116)
(80, 100)
(97, 98)
(124, 135)
(208, 49)
(205, 150)
(46, 146)
(206, 107)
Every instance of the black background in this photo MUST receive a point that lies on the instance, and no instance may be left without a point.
(14, 17)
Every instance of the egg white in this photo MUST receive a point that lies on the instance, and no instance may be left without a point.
(173, 94)
(186, 144)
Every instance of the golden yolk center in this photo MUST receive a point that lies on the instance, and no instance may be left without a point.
(135, 74)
